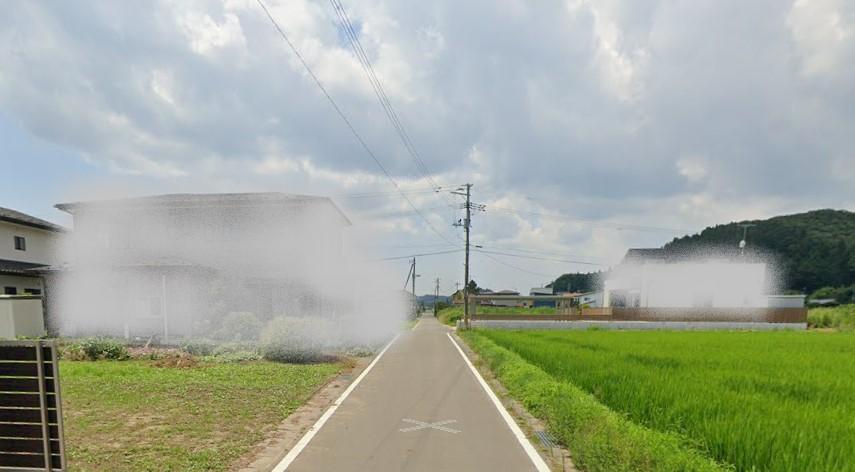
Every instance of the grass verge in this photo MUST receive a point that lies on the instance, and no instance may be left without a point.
(598, 438)
(132, 415)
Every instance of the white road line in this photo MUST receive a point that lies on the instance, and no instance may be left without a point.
(283, 465)
(538, 461)
(415, 325)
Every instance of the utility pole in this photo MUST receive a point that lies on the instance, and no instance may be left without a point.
(467, 223)
(415, 300)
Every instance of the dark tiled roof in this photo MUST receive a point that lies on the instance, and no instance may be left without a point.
(177, 200)
(12, 216)
(18, 268)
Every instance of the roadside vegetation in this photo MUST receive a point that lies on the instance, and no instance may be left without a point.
(148, 415)
(451, 314)
(198, 406)
(841, 318)
(775, 401)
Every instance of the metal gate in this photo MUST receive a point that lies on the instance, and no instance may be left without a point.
(30, 407)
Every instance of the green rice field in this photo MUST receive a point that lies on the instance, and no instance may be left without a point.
(766, 401)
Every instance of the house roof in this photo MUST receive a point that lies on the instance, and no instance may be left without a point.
(638, 255)
(541, 291)
(18, 268)
(13, 216)
(196, 200)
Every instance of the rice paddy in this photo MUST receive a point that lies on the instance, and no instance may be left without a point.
(771, 401)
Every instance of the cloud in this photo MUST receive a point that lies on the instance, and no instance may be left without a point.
(649, 113)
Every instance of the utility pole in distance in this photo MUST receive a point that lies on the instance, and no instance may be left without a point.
(415, 299)
(435, 296)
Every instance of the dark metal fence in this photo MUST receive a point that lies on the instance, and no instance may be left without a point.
(30, 407)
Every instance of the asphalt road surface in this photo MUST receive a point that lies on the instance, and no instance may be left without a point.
(419, 409)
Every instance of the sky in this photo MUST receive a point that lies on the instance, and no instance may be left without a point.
(585, 127)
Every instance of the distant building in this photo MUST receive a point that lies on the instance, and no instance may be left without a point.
(590, 299)
(539, 292)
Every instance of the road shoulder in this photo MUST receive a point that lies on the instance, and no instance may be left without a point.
(557, 457)
(268, 453)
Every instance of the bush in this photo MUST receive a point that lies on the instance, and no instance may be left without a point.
(199, 346)
(94, 349)
(296, 340)
(239, 326)
(840, 317)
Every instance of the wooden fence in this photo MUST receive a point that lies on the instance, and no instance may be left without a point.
(31, 436)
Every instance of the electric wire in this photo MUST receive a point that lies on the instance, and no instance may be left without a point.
(346, 120)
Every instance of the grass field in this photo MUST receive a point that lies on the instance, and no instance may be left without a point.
(451, 314)
(781, 401)
(131, 415)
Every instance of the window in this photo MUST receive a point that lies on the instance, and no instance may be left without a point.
(33, 291)
(10, 290)
(20, 243)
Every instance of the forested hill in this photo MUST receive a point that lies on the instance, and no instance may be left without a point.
(816, 249)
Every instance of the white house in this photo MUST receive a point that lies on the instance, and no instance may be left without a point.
(26, 243)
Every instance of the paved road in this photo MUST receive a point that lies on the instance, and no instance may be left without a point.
(420, 381)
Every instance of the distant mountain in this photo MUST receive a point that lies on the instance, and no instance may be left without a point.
(428, 299)
(814, 249)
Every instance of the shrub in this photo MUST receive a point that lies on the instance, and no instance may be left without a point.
(841, 317)
(239, 326)
(296, 340)
(199, 346)
(94, 349)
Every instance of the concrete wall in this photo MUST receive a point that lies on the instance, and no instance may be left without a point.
(635, 325)
(21, 316)
(41, 244)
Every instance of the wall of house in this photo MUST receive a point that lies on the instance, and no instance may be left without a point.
(21, 316)
(21, 284)
(41, 244)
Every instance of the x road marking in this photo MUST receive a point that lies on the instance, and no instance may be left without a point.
(422, 425)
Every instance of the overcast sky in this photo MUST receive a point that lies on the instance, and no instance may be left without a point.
(586, 127)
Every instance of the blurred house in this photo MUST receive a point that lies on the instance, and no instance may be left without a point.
(165, 265)
(647, 279)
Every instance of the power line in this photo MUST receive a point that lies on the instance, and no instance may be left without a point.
(410, 256)
(344, 118)
(619, 226)
(564, 261)
(379, 91)
(507, 264)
